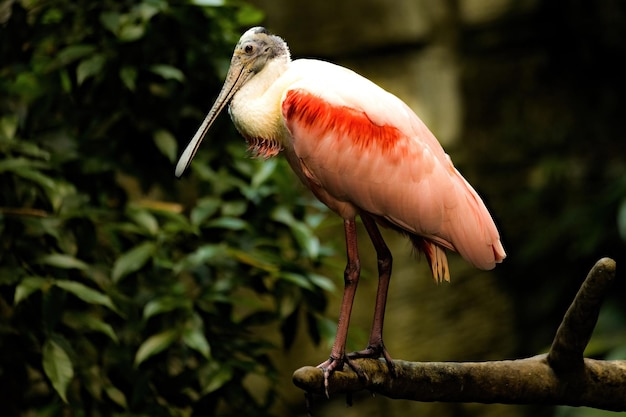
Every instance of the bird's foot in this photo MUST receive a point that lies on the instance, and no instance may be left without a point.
(374, 352)
(328, 367)
(333, 364)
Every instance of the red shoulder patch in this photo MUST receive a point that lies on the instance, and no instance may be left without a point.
(319, 116)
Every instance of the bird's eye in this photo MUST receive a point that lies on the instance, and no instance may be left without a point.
(249, 49)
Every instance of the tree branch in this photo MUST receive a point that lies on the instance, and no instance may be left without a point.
(561, 377)
(575, 330)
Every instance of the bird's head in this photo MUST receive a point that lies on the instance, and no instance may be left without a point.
(255, 49)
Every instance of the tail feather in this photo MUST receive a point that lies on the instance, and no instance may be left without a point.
(436, 257)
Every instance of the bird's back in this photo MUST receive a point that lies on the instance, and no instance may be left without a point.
(360, 148)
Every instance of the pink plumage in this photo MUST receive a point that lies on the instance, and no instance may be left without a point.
(396, 172)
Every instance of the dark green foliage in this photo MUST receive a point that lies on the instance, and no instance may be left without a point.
(122, 290)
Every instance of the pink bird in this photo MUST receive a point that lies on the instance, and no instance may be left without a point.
(362, 152)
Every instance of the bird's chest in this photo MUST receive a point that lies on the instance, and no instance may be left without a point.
(258, 119)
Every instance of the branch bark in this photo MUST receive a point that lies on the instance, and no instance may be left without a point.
(560, 377)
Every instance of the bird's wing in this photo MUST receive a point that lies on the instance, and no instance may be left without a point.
(361, 147)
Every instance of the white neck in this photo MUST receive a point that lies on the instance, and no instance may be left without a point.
(255, 108)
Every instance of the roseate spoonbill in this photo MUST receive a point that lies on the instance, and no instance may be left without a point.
(362, 152)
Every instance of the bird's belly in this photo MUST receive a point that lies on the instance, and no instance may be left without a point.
(341, 206)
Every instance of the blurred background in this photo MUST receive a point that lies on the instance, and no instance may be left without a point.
(127, 292)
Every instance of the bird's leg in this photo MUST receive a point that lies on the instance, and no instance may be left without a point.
(351, 279)
(376, 347)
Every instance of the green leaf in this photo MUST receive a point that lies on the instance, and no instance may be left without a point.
(254, 258)
(298, 279)
(300, 231)
(235, 208)
(60, 193)
(205, 254)
(57, 366)
(64, 261)
(155, 344)
(133, 260)
(28, 85)
(56, 189)
(322, 282)
(36, 177)
(128, 75)
(166, 304)
(111, 21)
(168, 72)
(147, 9)
(81, 321)
(32, 150)
(196, 340)
(72, 53)
(306, 239)
(266, 169)
(8, 126)
(66, 82)
(52, 15)
(230, 223)
(144, 219)
(131, 26)
(166, 143)
(89, 67)
(89, 295)
(193, 337)
(214, 376)
(282, 215)
(129, 31)
(17, 165)
(116, 395)
(208, 3)
(28, 286)
(205, 208)
(287, 308)
(175, 223)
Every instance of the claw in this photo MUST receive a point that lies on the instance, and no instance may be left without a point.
(333, 364)
(328, 367)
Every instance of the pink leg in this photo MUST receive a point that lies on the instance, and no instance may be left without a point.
(351, 279)
(376, 347)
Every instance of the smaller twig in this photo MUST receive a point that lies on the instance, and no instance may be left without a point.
(23, 212)
(574, 333)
